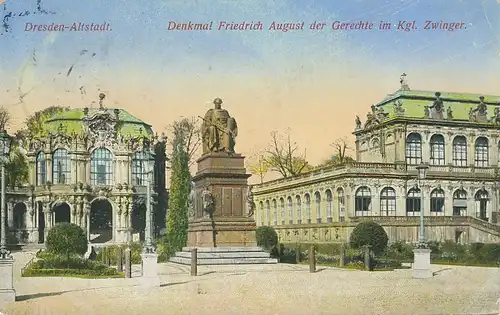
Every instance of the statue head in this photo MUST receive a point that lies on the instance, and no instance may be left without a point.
(217, 103)
(438, 94)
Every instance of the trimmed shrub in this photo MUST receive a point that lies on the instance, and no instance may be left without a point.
(267, 238)
(369, 233)
(53, 265)
(67, 239)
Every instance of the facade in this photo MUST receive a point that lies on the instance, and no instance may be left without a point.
(456, 134)
(89, 167)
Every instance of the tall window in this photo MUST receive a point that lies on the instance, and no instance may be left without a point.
(481, 152)
(437, 202)
(290, 209)
(275, 212)
(283, 214)
(268, 214)
(481, 201)
(363, 201)
(413, 149)
(308, 207)
(388, 202)
(329, 205)
(299, 209)
(460, 151)
(101, 167)
(317, 197)
(41, 169)
(437, 150)
(413, 202)
(460, 202)
(61, 170)
(140, 162)
(341, 204)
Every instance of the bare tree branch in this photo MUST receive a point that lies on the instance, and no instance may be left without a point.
(4, 118)
(282, 156)
(186, 132)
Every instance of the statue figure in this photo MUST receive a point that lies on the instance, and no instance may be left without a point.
(398, 108)
(191, 201)
(437, 108)
(480, 113)
(358, 123)
(208, 202)
(496, 118)
(375, 117)
(218, 130)
(449, 113)
(250, 203)
(427, 112)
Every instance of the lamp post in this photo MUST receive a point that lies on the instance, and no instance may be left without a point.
(5, 141)
(7, 292)
(422, 254)
(421, 175)
(148, 247)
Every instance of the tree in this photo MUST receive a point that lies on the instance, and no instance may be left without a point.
(4, 118)
(189, 130)
(340, 155)
(369, 233)
(260, 167)
(67, 239)
(180, 185)
(282, 156)
(35, 123)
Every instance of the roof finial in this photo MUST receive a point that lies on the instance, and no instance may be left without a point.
(102, 96)
(404, 83)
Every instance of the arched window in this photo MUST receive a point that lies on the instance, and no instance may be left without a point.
(459, 151)
(61, 170)
(413, 202)
(308, 207)
(275, 212)
(388, 202)
(460, 202)
(317, 197)
(101, 167)
(140, 162)
(341, 204)
(437, 150)
(262, 213)
(329, 199)
(290, 209)
(437, 202)
(481, 152)
(363, 202)
(283, 214)
(413, 149)
(268, 214)
(298, 201)
(481, 200)
(41, 169)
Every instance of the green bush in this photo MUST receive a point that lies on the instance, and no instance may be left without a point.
(358, 265)
(267, 238)
(369, 233)
(53, 265)
(483, 253)
(82, 273)
(67, 239)
(399, 251)
(111, 253)
(164, 250)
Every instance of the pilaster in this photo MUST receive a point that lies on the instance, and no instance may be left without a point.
(48, 161)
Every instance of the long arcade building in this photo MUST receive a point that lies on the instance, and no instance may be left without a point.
(456, 134)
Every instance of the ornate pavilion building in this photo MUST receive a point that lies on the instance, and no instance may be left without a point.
(457, 134)
(89, 167)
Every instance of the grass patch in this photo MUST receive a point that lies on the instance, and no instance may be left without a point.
(465, 263)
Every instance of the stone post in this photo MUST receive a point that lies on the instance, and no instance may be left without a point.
(367, 258)
(10, 215)
(422, 263)
(194, 262)
(119, 259)
(312, 259)
(128, 262)
(342, 255)
(7, 292)
(297, 253)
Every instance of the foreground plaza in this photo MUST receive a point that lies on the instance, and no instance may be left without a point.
(264, 289)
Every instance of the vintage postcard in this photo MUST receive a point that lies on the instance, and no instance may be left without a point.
(249, 157)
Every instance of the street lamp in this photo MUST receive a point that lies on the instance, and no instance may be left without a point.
(5, 141)
(148, 247)
(421, 175)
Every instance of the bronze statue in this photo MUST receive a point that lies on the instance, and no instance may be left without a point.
(218, 130)
(250, 202)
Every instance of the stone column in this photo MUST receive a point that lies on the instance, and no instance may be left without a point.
(128, 221)
(48, 219)
(74, 169)
(375, 201)
(48, 157)
(401, 201)
(87, 171)
(86, 218)
(10, 214)
(470, 150)
(426, 152)
(448, 201)
(349, 203)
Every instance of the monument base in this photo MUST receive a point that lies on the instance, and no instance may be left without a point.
(222, 232)
(422, 264)
(224, 256)
(7, 292)
(150, 276)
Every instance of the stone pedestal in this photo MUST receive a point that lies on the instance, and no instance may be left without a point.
(150, 276)
(225, 177)
(7, 292)
(422, 264)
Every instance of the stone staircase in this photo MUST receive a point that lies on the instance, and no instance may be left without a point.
(225, 256)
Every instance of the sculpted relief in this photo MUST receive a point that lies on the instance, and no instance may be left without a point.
(218, 130)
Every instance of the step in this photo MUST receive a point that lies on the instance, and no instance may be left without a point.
(223, 249)
(235, 261)
(224, 255)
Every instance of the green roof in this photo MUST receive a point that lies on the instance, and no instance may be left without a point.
(414, 102)
(72, 121)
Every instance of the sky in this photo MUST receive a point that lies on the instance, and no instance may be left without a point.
(310, 82)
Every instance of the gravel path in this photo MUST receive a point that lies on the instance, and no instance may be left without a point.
(275, 289)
